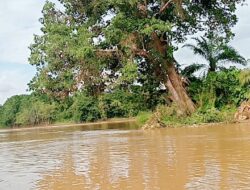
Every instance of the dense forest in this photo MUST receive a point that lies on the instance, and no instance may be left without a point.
(97, 60)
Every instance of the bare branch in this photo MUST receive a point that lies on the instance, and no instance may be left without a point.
(165, 6)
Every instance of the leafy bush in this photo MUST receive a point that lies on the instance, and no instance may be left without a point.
(26, 110)
(219, 89)
(170, 117)
(84, 108)
(36, 113)
(211, 115)
(216, 96)
(143, 117)
(121, 104)
(10, 109)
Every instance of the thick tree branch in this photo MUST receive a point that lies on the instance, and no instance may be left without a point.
(165, 6)
(142, 53)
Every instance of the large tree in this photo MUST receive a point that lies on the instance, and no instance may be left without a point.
(89, 41)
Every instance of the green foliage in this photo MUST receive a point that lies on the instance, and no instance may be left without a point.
(1, 116)
(211, 115)
(129, 74)
(63, 113)
(10, 109)
(216, 51)
(26, 110)
(214, 115)
(35, 112)
(121, 103)
(156, 24)
(245, 77)
(104, 48)
(84, 108)
(150, 86)
(79, 43)
(219, 89)
(170, 117)
(143, 117)
(216, 95)
(31, 110)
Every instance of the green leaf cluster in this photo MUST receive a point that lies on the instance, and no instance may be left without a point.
(219, 89)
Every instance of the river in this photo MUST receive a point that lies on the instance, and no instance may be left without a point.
(116, 156)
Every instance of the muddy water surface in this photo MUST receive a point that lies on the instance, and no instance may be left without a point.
(119, 157)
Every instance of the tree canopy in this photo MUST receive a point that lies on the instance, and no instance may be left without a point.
(97, 44)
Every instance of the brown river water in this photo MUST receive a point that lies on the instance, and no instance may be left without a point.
(116, 156)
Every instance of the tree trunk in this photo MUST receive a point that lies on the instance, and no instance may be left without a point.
(178, 92)
(173, 80)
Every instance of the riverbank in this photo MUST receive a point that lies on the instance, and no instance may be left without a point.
(123, 120)
(169, 117)
(199, 125)
(63, 125)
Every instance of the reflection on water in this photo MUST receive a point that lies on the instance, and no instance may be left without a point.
(174, 159)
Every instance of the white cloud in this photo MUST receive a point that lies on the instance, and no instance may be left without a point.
(18, 21)
(12, 82)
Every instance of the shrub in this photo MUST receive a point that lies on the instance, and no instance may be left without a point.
(143, 117)
(84, 108)
(121, 104)
(10, 109)
(219, 89)
(211, 115)
(170, 117)
(36, 113)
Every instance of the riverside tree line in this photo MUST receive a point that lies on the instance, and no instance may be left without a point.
(115, 58)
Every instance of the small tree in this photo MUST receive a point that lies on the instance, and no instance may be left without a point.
(217, 53)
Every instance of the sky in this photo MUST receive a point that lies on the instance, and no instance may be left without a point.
(19, 21)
